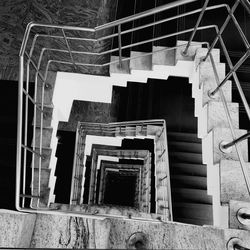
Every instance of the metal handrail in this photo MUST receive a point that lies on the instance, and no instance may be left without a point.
(118, 23)
(242, 162)
(240, 139)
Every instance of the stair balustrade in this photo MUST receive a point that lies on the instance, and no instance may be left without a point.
(39, 72)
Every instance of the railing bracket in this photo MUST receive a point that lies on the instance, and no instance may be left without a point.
(243, 216)
(223, 149)
(211, 95)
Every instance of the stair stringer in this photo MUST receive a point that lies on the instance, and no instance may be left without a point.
(213, 128)
(80, 86)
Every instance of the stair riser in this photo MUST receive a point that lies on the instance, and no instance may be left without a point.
(189, 170)
(232, 182)
(47, 118)
(213, 115)
(191, 195)
(185, 147)
(208, 82)
(189, 181)
(46, 137)
(185, 157)
(197, 213)
(43, 200)
(48, 89)
(45, 160)
(44, 178)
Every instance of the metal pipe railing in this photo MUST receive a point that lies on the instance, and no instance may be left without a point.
(195, 27)
(232, 143)
(224, 25)
(237, 82)
(233, 70)
(118, 23)
(242, 162)
(246, 5)
(144, 14)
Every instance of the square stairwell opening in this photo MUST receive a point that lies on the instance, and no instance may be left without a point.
(120, 189)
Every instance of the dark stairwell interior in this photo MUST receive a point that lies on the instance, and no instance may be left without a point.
(171, 100)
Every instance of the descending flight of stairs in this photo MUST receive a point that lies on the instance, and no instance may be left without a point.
(188, 175)
(190, 190)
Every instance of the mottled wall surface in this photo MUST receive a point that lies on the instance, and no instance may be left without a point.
(74, 232)
(16, 14)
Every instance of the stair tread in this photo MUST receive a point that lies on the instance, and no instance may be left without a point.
(184, 137)
(189, 181)
(191, 205)
(193, 221)
(189, 147)
(189, 168)
(192, 195)
(185, 157)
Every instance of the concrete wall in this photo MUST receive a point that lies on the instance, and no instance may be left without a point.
(58, 231)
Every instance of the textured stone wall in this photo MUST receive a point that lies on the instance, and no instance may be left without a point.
(75, 232)
(21, 230)
(16, 228)
(16, 14)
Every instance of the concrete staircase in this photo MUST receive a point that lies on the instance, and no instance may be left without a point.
(222, 187)
(144, 129)
(212, 127)
(191, 203)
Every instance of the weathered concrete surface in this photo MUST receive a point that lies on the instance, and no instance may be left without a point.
(56, 231)
(16, 14)
(16, 229)
(232, 182)
(167, 235)
(234, 222)
(60, 231)
(73, 232)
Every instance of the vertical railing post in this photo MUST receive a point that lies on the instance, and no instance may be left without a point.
(69, 50)
(120, 45)
(25, 132)
(19, 131)
(196, 27)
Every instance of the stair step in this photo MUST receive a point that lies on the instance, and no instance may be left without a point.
(141, 61)
(47, 116)
(115, 67)
(193, 221)
(193, 211)
(191, 195)
(44, 193)
(189, 181)
(188, 169)
(48, 90)
(183, 137)
(185, 157)
(190, 147)
(44, 178)
(164, 56)
(46, 137)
